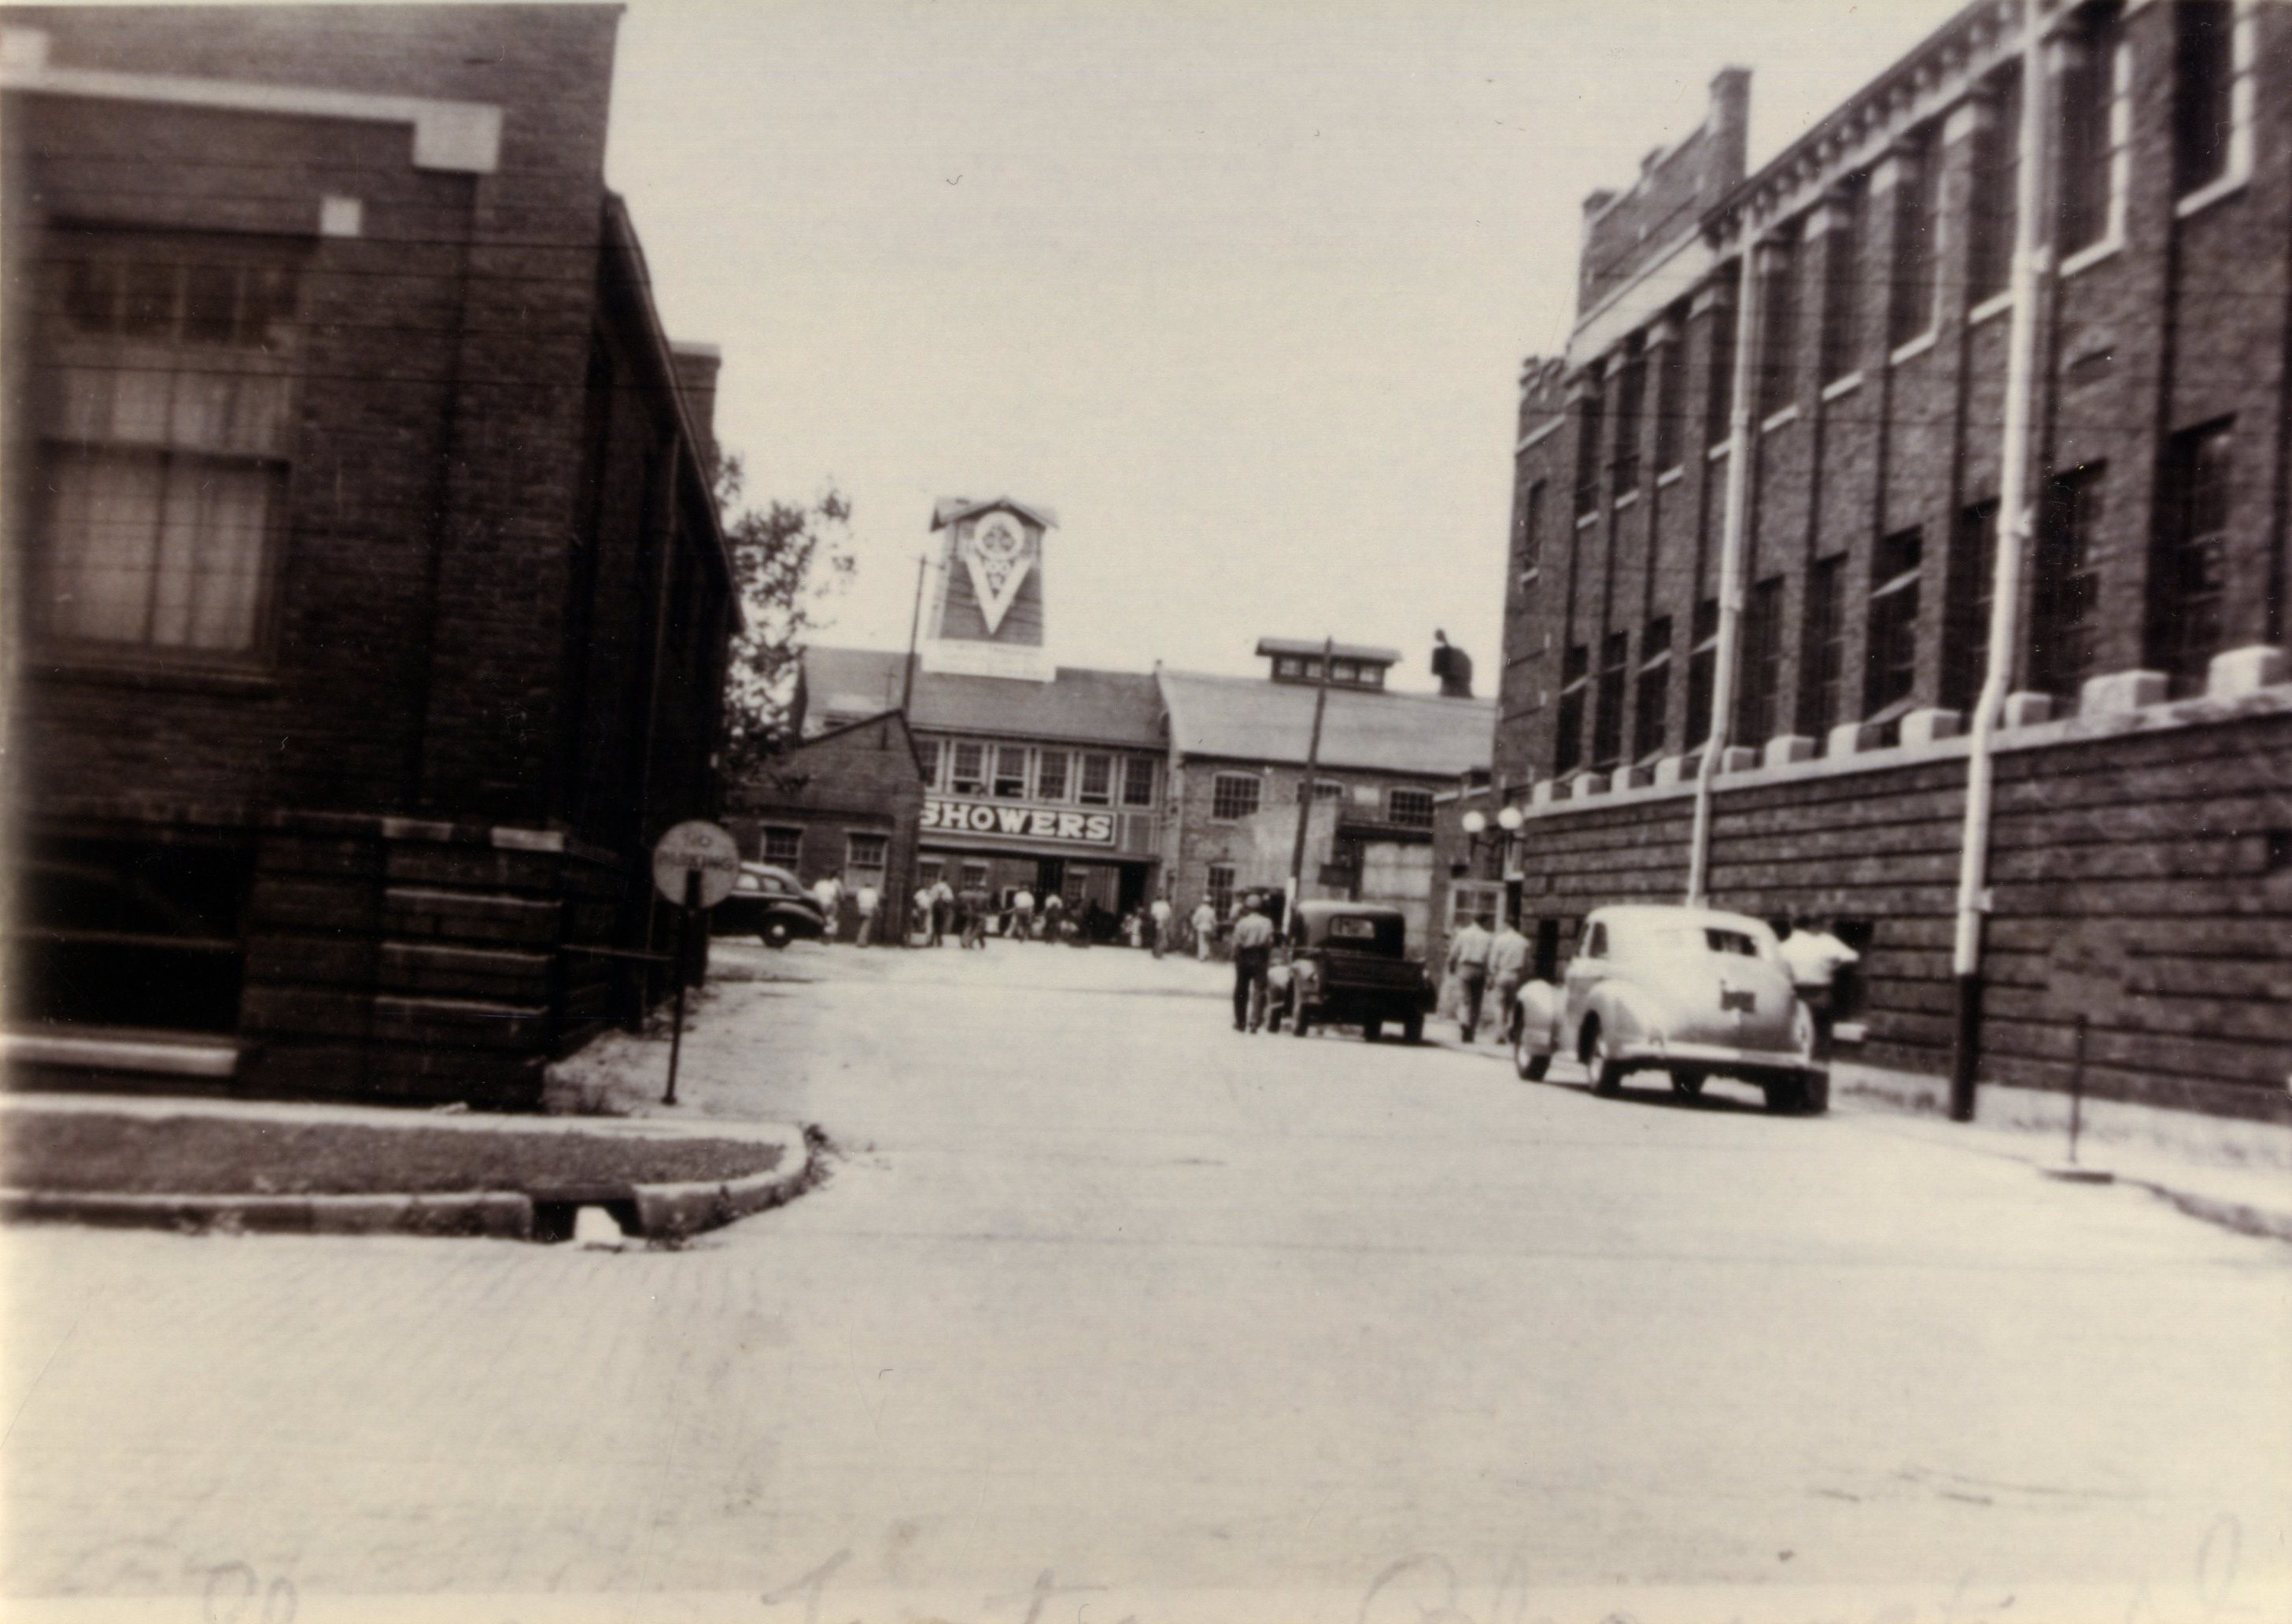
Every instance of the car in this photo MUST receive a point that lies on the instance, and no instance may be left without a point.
(1347, 963)
(771, 903)
(1693, 993)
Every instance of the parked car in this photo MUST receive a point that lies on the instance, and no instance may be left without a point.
(770, 903)
(1690, 991)
(1347, 963)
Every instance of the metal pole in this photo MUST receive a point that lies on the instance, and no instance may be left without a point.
(914, 626)
(2076, 1087)
(1305, 790)
(1749, 330)
(683, 965)
(2014, 512)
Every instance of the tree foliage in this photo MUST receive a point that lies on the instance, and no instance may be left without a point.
(786, 562)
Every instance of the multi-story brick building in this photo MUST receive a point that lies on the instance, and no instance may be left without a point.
(1845, 413)
(370, 602)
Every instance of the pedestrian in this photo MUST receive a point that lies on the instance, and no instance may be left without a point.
(870, 901)
(1814, 957)
(1157, 924)
(827, 890)
(1507, 968)
(943, 910)
(920, 907)
(1204, 923)
(1468, 962)
(1054, 917)
(1022, 914)
(1253, 957)
(977, 904)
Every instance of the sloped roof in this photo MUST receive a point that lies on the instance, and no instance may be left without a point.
(1086, 705)
(1362, 651)
(954, 510)
(1252, 719)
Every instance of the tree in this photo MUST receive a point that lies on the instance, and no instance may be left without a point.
(786, 562)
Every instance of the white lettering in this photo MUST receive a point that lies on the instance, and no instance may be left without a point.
(1101, 827)
(1013, 819)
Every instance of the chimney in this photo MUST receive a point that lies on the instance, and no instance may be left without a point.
(1729, 123)
(696, 376)
(1453, 667)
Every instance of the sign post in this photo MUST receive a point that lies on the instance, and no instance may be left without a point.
(2089, 968)
(693, 866)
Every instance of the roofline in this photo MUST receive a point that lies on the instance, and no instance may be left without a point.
(842, 728)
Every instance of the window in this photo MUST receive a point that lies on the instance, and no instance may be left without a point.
(1596, 945)
(2095, 120)
(1289, 668)
(1221, 888)
(1324, 790)
(1343, 671)
(1631, 395)
(974, 877)
(1965, 615)
(1575, 676)
(1097, 781)
(929, 871)
(2191, 569)
(1527, 531)
(1138, 781)
(165, 445)
(1010, 773)
(1702, 671)
(1996, 170)
(1615, 677)
(1482, 899)
(1719, 393)
(1917, 239)
(1410, 807)
(927, 752)
(1587, 446)
(1653, 707)
(2065, 591)
(1779, 344)
(1892, 651)
(1670, 393)
(866, 857)
(783, 845)
(1823, 665)
(970, 772)
(1841, 296)
(2204, 92)
(1234, 796)
(1051, 775)
(1757, 714)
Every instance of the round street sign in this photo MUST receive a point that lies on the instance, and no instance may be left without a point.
(696, 847)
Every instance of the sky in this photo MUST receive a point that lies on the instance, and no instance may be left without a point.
(1241, 292)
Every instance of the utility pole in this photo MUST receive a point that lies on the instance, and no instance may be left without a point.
(914, 626)
(1305, 791)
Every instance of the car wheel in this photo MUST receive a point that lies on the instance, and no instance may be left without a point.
(775, 934)
(1783, 1098)
(1686, 1083)
(1412, 1030)
(1530, 1064)
(1607, 1076)
(1814, 1093)
(1371, 1030)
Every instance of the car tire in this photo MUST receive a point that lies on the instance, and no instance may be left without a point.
(1371, 1030)
(1530, 1064)
(775, 934)
(1687, 1083)
(1607, 1076)
(1412, 1029)
(1814, 1094)
(1783, 1099)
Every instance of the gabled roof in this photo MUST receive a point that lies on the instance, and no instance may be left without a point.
(1252, 719)
(954, 510)
(1368, 653)
(1078, 705)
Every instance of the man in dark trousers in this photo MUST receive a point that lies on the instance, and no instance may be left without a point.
(1253, 957)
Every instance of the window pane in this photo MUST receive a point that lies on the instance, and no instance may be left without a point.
(1098, 780)
(1138, 781)
(1051, 776)
(2203, 76)
(102, 544)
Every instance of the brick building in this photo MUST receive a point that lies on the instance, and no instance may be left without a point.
(1812, 359)
(847, 803)
(370, 606)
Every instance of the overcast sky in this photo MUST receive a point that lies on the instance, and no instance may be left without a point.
(1240, 291)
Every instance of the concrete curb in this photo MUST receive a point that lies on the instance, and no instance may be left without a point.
(2242, 1217)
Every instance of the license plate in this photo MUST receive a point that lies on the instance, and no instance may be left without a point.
(1742, 1003)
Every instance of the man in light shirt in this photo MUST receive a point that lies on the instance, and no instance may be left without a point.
(827, 890)
(1022, 914)
(1468, 962)
(870, 901)
(1507, 968)
(1204, 923)
(1158, 923)
(1252, 957)
(1814, 957)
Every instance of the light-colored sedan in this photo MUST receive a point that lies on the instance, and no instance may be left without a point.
(1690, 991)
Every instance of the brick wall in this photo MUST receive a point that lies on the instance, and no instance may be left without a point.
(859, 778)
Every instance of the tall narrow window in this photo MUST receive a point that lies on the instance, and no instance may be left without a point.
(1892, 651)
(1670, 394)
(1918, 233)
(1966, 600)
(1097, 781)
(2092, 129)
(2204, 77)
(866, 860)
(1575, 677)
(1822, 667)
(1010, 773)
(1653, 707)
(1588, 414)
(1051, 775)
(1702, 672)
(2065, 591)
(2191, 571)
(1527, 531)
(1997, 176)
(1719, 391)
(1842, 274)
(1138, 781)
(968, 776)
(1778, 342)
(1615, 675)
(1219, 884)
(165, 444)
(1757, 712)
(1631, 396)
(927, 754)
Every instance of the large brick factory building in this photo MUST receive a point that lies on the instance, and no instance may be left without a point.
(1812, 362)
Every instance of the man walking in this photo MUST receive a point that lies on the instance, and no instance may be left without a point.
(1814, 957)
(1204, 923)
(1022, 914)
(1507, 968)
(1252, 957)
(1158, 923)
(1054, 915)
(827, 890)
(942, 904)
(977, 904)
(870, 901)
(1468, 962)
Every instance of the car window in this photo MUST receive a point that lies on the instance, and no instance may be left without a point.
(1730, 942)
(1597, 947)
(1342, 929)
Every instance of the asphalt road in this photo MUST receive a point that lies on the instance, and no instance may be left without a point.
(1107, 1310)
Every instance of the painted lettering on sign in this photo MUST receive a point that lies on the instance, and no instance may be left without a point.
(1018, 822)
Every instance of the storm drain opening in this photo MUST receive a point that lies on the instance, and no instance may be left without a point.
(589, 1222)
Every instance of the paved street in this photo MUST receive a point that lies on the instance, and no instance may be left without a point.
(1100, 1291)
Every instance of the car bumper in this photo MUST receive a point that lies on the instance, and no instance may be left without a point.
(1749, 1064)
